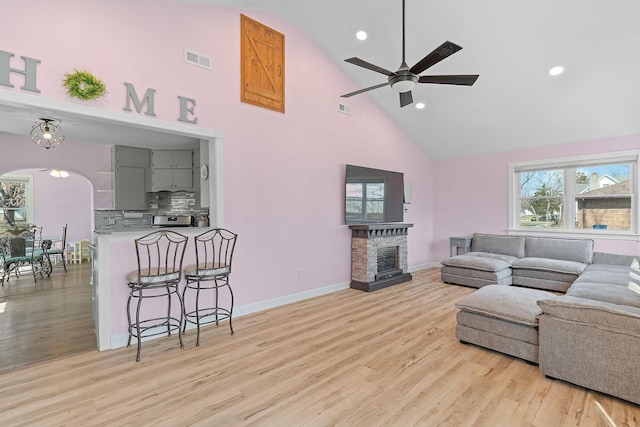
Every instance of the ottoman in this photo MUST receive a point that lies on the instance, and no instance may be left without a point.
(502, 318)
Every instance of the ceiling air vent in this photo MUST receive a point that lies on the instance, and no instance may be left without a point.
(344, 109)
(197, 59)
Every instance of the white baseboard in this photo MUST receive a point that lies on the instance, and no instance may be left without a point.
(423, 266)
(120, 340)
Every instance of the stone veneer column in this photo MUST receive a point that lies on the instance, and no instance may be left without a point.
(365, 241)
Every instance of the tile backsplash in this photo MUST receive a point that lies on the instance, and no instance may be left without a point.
(173, 202)
(159, 203)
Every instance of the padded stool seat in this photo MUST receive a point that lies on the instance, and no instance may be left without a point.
(158, 276)
(203, 303)
(502, 318)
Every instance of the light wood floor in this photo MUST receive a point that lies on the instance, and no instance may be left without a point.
(351, 358)
(47, 319)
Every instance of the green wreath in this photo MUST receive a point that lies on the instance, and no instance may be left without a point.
(84, 85)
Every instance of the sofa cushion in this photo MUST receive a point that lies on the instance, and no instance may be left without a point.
(614, 294)
(608, 277)
(548, 264)
(607, 269)
(615, 259)
(474, 262)
(577, 250)
(506, 302)
(475, 281)
(498, 244)
(536, 283)
(478, 274)
(602, 315)
(506, 258)
(545, 275)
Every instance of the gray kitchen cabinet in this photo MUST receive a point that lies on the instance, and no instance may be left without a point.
(172, 159)
(172, 170)
(131, 171)
(132, 156)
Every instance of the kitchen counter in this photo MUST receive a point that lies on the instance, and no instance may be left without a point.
(115, 256)
(182, 230)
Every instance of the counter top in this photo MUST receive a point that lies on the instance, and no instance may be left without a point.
(135, 232)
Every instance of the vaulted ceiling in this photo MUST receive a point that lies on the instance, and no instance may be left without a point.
(515, 103)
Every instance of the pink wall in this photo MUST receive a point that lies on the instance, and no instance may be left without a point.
(60, 201)
(472, 194)
(284, 173)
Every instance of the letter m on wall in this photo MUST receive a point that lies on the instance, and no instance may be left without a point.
(148, 99)
(29, 71)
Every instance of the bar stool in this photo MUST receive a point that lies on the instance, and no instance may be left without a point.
(214, 253)
(160, 256)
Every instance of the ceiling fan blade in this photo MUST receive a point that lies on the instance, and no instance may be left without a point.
(369, 66)
(406, 98)
(463, 80)
(347, 95)
(443, 51)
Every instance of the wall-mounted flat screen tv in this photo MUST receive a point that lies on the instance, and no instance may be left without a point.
(373, 195)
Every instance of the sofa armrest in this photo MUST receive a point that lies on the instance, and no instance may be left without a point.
(603, 315)
(592, 344)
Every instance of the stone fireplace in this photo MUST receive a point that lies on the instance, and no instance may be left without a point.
(378, 255)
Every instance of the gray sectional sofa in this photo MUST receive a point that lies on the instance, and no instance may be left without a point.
(535, 262)
(589, 336)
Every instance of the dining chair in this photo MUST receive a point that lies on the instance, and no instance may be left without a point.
(159, 272)
(214, 254)
(4, 255)
(25, 250)
(59, 252)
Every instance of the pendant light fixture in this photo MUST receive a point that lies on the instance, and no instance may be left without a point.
(46, 133)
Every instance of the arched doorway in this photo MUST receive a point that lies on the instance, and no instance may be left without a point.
(51, 317)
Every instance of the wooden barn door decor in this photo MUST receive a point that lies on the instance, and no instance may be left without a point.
(262, 65)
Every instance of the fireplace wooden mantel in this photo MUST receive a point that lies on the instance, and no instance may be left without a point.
(366, 240)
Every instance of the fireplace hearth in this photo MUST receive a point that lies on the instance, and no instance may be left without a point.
(378, 255)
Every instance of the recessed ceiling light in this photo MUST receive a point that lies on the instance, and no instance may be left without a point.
(361, 35)
(420, 106)
(555, 71)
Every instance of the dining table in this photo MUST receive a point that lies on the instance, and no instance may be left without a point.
(24, 249)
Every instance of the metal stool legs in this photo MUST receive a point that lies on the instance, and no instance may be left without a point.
(159, 272)
(214, 253)
(156, 326)
(205, 315)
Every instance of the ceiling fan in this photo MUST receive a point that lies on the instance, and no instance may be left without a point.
(405, 79)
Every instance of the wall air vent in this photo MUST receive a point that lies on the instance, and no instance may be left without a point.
(191, 57)
(344, 109)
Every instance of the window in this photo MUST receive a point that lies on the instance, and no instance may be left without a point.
(365, 201)
(16, 201)
(595, 194)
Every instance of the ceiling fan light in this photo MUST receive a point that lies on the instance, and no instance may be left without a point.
(403, 86)
(57, 173)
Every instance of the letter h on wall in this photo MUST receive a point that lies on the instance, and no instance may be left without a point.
(29, 71)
